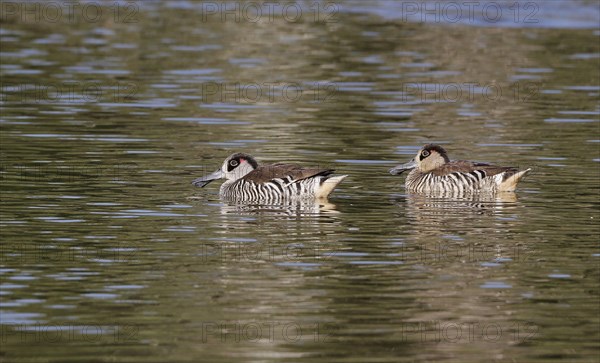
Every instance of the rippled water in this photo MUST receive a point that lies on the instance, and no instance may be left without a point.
(109, 254)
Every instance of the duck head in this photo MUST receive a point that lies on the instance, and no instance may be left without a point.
(236, 166)
(429, 158)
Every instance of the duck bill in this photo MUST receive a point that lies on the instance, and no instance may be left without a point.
(402, 168)
(202, 182)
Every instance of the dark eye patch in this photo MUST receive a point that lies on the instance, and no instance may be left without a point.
(233, 163)
(424, 154)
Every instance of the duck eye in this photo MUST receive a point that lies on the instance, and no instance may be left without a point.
(233, 163)
(425, 153)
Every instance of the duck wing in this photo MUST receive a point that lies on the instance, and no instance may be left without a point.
(464, 166)
(294, 172)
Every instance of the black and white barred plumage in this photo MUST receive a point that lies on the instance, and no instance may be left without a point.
(249, 182)
(433, 172)
(455, 182)
(274, 190)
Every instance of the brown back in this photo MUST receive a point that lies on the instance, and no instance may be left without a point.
(463, 166)
(265, 173)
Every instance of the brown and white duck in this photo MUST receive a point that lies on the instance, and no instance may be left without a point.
(432, 171)
(248, 181)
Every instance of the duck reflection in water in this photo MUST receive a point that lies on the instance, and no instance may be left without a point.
(288, 208)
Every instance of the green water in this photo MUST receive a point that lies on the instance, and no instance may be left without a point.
(109, 254)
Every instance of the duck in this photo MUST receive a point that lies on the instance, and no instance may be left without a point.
(432, 171)
(245, 180)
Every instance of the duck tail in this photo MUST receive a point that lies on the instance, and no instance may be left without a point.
(328, 185)
(509, 182)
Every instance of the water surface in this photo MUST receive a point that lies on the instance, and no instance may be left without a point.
(109, 254)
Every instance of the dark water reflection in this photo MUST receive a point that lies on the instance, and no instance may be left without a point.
(109, 254)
